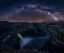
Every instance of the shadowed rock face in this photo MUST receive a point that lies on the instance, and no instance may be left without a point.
(36, 32)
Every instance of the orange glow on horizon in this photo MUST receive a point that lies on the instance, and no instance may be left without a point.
(26, 21)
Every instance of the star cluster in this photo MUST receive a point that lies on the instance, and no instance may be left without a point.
(31, 13)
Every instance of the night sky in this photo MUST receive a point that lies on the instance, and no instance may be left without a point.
(31, 10)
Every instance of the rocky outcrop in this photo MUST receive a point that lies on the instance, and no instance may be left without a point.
(60, 42)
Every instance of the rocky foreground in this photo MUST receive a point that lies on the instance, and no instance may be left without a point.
(11, 45)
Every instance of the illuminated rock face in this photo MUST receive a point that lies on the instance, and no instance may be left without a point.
(61, 42)
(5, 38)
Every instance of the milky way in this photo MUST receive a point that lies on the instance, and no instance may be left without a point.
(31, 13)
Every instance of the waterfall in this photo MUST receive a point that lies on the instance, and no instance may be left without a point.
(20, 36)
(23, 41)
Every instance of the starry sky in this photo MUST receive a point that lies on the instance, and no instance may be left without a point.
(31, 10)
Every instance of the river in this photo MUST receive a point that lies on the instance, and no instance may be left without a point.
(29, 42)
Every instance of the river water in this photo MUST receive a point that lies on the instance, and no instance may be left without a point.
(29, 42)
